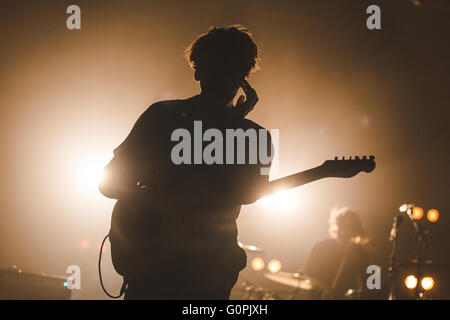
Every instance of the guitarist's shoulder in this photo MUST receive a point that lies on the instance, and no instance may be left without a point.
(163, 110)
(166, 107)
(249, 124)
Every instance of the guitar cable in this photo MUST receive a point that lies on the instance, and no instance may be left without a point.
(124, 285)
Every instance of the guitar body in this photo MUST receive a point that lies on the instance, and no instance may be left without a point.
(135, 233)
(119, 237)
(142, 237)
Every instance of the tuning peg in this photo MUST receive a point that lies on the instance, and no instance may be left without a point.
(350, 158)
(357, 158)
(371, 157)
(336, 158)
(364, 157)
(343, 157)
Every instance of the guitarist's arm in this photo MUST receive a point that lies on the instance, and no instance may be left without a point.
(119, 182)
(123, 172)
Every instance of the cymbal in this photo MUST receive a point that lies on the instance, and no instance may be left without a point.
(296, 280)
(250, 248)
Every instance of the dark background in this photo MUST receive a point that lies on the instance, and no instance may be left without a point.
(330, 85)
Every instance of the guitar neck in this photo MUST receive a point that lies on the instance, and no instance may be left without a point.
(344, 168)
(293, 181)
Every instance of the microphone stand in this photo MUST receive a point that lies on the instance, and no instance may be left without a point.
(420, 244)
(392, 258)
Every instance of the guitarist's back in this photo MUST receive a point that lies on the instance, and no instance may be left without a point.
(159, 230)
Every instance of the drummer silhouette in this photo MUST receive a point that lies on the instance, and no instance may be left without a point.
(340, 262)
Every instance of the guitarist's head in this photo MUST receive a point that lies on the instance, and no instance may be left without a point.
(222, 59)
(346, 227)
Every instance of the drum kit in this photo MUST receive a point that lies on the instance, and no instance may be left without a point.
(296, 280)
(300, 282)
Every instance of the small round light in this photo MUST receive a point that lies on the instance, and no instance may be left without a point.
(417, 213)
(427, 283)
(257, 264)
(274, 266)
(85, 244)
(433, 215)
(411, 281)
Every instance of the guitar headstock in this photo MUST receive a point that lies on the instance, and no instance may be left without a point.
(346, 168)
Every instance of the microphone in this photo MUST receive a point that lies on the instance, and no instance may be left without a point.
(408, 208)
(413, 221)
(395, 226)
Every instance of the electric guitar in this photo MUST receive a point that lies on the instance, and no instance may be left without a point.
(337, 168)
(128, 230)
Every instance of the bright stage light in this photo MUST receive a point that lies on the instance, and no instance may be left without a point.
(90, 173)
(274, 266)
(433, 215)
(411, 281)
(417, 213)
(257, 264)
(282, 200)
(427, 283)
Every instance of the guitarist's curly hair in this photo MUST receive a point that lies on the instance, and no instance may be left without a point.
(231, 48)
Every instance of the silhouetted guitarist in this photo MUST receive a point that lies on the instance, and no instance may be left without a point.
(173, 232)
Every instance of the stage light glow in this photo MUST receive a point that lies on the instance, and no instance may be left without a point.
(257, 263)
(411, 281)
(274, 266)
(85, 244)
(90, 173)
(427, 283)
(433, 215)
(417, 213)
(403, 207)
(280, 201)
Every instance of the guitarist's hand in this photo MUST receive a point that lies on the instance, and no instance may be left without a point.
(246, 103)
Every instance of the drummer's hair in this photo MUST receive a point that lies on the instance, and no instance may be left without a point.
(340, 215)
